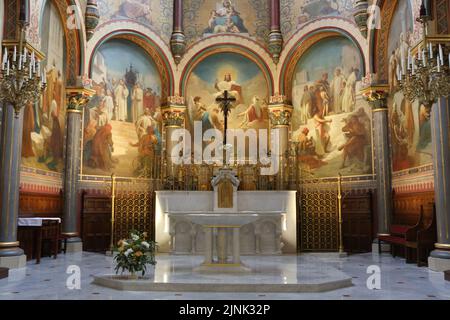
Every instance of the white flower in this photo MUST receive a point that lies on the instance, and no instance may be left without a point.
(128, 252)
(145, 244)
(134, 237)
(124, 243)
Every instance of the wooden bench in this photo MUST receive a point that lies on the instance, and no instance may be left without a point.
(414, 240)
(425, 240)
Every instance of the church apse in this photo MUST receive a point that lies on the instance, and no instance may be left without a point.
(122, 122)
(331, 122)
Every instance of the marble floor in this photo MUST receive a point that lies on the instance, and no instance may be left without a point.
(398, 280)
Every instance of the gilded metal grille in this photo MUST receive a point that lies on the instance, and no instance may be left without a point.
(319, 216)
(133, 201)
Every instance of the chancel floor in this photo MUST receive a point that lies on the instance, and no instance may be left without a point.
(398, 280)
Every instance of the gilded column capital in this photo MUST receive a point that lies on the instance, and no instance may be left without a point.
(377, 96)
(280, 114)
(77, 98)
(174, 113)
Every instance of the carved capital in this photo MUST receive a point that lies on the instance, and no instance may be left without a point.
(280, 115)
(77, 98)
(376, 96)
(174, 116)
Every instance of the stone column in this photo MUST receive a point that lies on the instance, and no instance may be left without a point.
(178, 39)
(275, 35)
(11, 256)
(174, 117)
(280, 115)
(377, 98)
(208, 245)
(236, 246)
(77, 98)
(439, 259)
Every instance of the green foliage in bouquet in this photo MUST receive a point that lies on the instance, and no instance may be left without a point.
(135, 253)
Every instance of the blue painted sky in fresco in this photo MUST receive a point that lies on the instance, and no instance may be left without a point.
(119, 54)
(207, 69)
(327, 55)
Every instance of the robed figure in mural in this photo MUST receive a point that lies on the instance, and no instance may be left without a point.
(121, 93)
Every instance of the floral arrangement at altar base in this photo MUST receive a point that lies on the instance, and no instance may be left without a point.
(135, 254)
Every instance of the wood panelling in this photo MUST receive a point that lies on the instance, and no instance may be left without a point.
(407, 207)
(357, 222)
(32, 204)
(96, 222)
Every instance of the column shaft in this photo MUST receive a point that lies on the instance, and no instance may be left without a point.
(236, 246)
(10, 158)
(383, 169)
(440, 121)
(72, 167)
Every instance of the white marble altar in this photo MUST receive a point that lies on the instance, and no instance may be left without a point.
(273, 232)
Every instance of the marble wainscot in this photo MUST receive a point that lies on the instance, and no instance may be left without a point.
(271, 229)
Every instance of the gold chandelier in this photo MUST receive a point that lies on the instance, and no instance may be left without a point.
(425, 76)
(21, 80)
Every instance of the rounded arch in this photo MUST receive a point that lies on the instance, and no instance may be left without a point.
(299, 45)
(225, 47)
(154, 52)
(74, 38)
(144, 38)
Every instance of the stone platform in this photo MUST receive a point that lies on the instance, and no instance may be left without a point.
(269, 274)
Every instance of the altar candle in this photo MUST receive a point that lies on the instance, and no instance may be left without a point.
(25, 53)
(30, 70)
(20, 62)
(5, 55)
(15, 54)
(439, 65)
(431, 51)
(7, 68)
(409, 59)
(39, 67)
(441, 54)
(424, 58)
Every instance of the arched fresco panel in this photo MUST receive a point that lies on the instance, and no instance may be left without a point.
(122, 122)
(331, 121)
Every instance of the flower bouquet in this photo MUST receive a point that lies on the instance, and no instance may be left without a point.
(135, 254)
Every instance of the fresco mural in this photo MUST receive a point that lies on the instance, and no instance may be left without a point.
(44, 122)
(410, 122)
(331, 121)
(122, 122)
(294, 14)
(207, 17)
(155, 14)
(242, 78)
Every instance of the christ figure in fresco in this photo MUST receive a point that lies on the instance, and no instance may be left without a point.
(233, 88)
